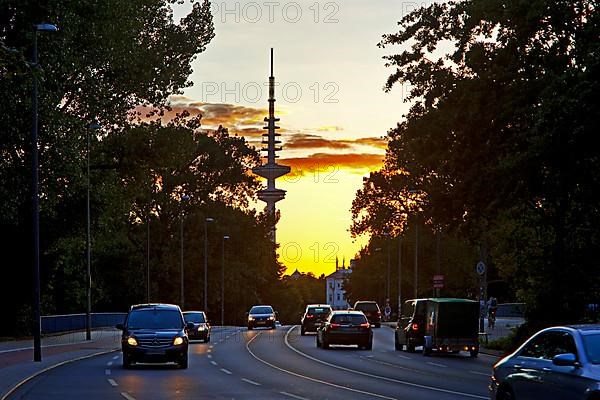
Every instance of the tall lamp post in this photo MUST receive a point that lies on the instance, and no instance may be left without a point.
(225, 237)
(206, 222)
(181, 295)
(37, 334)
(88, 287)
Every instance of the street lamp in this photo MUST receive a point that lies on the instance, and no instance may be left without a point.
(181, 295)
(416, 191)
(37, 334)
(225, 237)
(206, 221)
(88, 287)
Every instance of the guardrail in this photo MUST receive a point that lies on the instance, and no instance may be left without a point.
(76, 322)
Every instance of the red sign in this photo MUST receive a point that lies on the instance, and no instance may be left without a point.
(438, 281)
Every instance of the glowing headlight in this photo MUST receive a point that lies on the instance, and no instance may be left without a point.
(271, 318)
(131, 341)
(178, 340)
(201, 328)
(250, 318)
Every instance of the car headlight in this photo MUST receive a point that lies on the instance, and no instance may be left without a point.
(250, 318)
(271, 318)
(178, 340)
(131, 341)
(201, 328)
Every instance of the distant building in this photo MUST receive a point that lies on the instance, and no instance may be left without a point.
(335, 293)
(296, 274)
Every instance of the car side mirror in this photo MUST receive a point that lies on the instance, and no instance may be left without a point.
(119, 327)
(565, 360)
(189, 325)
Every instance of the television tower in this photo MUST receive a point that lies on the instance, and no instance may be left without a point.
(271, 170)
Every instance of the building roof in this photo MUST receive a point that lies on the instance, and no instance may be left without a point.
(339, 274)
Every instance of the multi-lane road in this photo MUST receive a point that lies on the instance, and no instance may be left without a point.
(272, 364)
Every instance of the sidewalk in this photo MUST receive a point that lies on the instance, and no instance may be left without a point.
(16, 357)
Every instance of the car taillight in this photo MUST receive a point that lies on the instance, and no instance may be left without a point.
(309, 316)
(379, 313)
(415, 327)
(334, 325)
(366, 325)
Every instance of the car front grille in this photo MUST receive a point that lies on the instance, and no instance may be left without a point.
(155, 342)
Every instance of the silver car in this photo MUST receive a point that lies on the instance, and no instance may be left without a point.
(559, 363)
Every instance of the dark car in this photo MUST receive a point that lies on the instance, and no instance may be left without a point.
(345, 327)
(559, 363)
(371, 310)
(261, 316)
(313, 317)
(154, 333)
(443, 325)
(201, 329)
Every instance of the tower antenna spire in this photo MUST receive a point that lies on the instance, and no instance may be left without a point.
(271, 170)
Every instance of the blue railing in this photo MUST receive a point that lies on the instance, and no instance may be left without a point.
(76, 322)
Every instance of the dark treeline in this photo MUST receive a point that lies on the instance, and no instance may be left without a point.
(147, 176)
(497, 149)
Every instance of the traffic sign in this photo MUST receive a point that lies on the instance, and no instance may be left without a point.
(438, 281)
(480, 268)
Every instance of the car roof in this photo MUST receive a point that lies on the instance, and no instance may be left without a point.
(349, 312)
(155, 306)
(365, 301)
(443, 300)
(585, 329)
(262, 305)
(194, 312)
(317, 305)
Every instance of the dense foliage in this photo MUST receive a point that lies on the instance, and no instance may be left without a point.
(148, 178)
(498, 143)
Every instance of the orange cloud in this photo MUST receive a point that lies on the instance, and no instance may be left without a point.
(306, 141)
(328, 161)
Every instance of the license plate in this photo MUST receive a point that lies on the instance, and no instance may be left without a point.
(156, 352)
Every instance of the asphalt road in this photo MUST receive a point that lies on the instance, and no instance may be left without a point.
(272, 364)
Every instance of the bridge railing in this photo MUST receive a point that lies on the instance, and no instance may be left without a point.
(76, 322)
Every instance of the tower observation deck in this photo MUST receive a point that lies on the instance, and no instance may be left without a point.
(271, 170)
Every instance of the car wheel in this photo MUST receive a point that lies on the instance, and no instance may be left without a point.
(378, 325)
(183, 362)
(505, 393)
(302, 331)
(324, 344)
(397, 344)
(249, 327)
(207, 339)
(273, 326)
(127, 361)
(369, 345)
(474, 353)
(318, 341)
(410, 347)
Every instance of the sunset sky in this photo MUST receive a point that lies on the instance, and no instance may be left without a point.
(333, 109)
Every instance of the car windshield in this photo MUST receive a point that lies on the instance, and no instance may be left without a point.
(321, 310)
(261, 310)
(354, 319)
(194, 317)
(154, 319)
(591, 344)
(366, 307)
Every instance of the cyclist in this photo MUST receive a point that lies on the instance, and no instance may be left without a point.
(492, 308)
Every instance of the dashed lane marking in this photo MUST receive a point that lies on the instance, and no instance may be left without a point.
(127, 396)
(213, 362)
(226, 371)
(384, 378)
(109, 363)
(115, 357)
(113, 382)
(209, 356)
(437, 365)
(107, 371)
(251, 382)
(480, 373)
(404, 357)
(293, 396)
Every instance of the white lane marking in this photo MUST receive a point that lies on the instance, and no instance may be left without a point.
(115, 357)
(108, 364)
(405, 357)
(107, 372)
(209, 356)
(127, 396)
(436, 364)
(308, 377)
(226, 371)
(112, 382)
(211, 346)
(209, 351)
(385, 378)
(480, 373)
(213, 362)
(251, 382)
(293, 396)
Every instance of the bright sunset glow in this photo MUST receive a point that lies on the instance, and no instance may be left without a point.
(333, 109)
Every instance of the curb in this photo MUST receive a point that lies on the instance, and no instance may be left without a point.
(51, 367)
